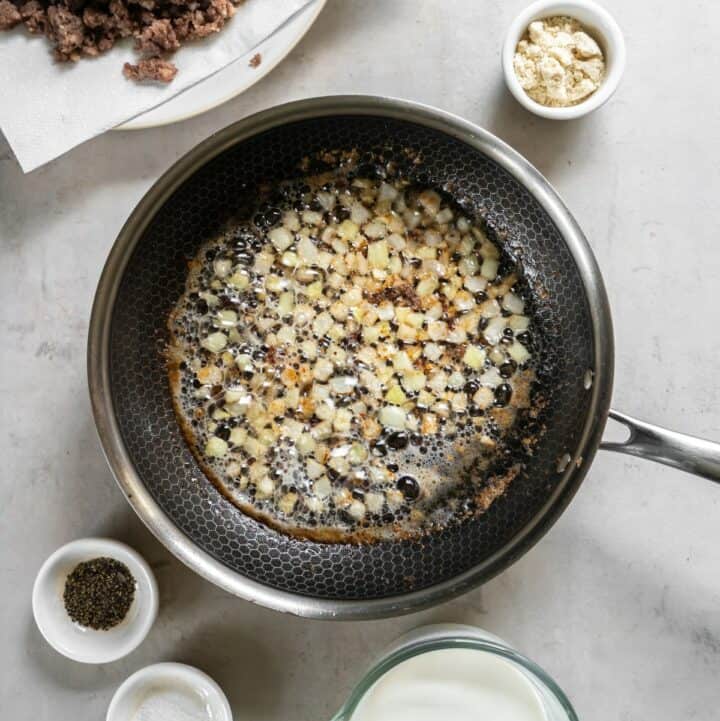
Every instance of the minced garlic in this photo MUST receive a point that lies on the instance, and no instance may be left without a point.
(557, 63)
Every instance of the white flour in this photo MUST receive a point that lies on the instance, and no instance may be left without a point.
(558, 63)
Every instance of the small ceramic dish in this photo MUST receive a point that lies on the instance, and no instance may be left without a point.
(603, 29)
(77, 642)
(172, 684)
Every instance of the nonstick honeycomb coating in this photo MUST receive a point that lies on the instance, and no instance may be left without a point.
(154, 278)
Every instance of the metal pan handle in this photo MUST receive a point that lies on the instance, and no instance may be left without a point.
(688, 453)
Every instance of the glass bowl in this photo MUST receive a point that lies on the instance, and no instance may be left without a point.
(552, 703)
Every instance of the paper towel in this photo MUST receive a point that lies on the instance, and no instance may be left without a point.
(47, 108)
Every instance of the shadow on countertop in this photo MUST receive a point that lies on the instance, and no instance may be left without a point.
(545, 143)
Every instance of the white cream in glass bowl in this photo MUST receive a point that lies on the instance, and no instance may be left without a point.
(458, 672)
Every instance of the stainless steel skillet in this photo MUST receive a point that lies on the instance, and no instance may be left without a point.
(145, 273)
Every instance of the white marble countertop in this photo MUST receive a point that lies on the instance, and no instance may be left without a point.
(620, 602)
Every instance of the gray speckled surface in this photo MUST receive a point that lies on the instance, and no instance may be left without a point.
(621, 600)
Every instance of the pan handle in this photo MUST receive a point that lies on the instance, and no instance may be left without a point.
(688, 453)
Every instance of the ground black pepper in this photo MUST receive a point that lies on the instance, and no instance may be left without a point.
(98, 593)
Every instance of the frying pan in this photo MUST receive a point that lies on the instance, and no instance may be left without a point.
(145, 274)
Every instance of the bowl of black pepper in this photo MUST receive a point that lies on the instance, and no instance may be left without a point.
(95, 600)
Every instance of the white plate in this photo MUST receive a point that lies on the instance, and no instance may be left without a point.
(233, 79)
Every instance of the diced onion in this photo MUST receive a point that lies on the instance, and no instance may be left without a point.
(343, 384)
(238, 436)
(396, 396)
(307, 251)
(352, 298)
(427, 286)
(494, 330)
(413, 381)
(474, 357)
(311, 217)
(392, 417)
(468, 265)
(412, 219)
(359, 214)
(463, 301)
(444, 216)
(437, 330)
(314, 469)
(513, 303)
(215, 342)
(322, 324)
(309, 349)
(358, 454)
(387, 192)
(430, 202)
(286, 335)
(326, 200)
(323, 369)
(348, 230)
(466, 245)
(457, 335)
(227, 318)
(459, 402)
(396, 241)
(489, 268)
(374, 230)
(475, 283)
(484, 397)
(518, 352)
(490, 308)
(244, 362)
(432, 351)
(402, 362)
(291, 220)
(222, 267)
(342, 421)
(281, 238)
(216, 447)
(263, 263)
(289, 259)
(378, 256)
(286, 303)
(491, 378)
(519, 323)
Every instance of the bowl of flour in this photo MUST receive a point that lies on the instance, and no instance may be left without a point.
(562, 60)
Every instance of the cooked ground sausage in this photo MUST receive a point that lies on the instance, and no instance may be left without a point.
(78, 28)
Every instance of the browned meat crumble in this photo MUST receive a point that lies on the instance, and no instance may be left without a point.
(9, 15)
(150, 69)
(79, 28)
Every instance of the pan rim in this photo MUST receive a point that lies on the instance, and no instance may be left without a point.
(98, 357)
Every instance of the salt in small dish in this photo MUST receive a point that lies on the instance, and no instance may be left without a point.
(80, 643)
(169, 690)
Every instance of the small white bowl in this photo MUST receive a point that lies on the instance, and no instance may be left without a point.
(178, 678)
(78, 642)
(601, 26)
